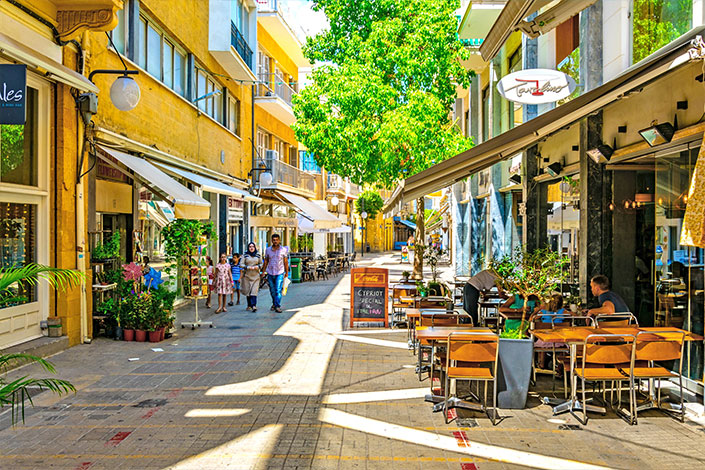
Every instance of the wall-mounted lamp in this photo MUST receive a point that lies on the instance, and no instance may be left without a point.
(334, 201)
(682, 104)
(554, 169)
(124, 92)
(599, 152)
(658, 134)
(515, 179)
(622, 129)
(265, 178)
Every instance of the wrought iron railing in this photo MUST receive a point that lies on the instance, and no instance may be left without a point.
(283, 173)
(240, 44)
(272, 85)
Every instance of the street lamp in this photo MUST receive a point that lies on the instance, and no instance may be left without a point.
(335, 201)
(265, 179)
(125, 93)
(363, 215)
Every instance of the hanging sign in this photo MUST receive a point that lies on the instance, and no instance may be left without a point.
(13, 88)
(536, 86)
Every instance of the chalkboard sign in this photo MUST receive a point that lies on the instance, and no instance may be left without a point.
(369, 296)
(369, 302)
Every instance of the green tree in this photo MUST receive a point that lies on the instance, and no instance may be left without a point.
(369, 201)
(658, 22)
(379, 108)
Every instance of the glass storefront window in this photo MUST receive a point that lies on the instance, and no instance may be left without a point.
(18, 150)
(655, 23)
(18, 244)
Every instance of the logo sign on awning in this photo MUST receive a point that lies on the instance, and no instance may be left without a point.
(13, 84)
(536, 86)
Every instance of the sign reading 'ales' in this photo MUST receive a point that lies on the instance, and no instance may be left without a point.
(369, 295)
(13, 84)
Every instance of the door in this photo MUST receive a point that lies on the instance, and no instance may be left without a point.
(677, 270)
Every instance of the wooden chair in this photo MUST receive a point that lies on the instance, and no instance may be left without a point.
(321, 270)
(602, 353)
(536, 323)
(307, 271)
(616, 320)
(563, 356)
(481, 351)
(402, 299)
(652, 352)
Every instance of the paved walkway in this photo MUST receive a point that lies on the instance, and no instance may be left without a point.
(295, 390)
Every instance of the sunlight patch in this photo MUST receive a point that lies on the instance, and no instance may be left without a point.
(365, 397)
(215, 412)
(374, 342)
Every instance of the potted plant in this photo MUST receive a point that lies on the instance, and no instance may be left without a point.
(421, 289)
(527, 274)
(405, 276)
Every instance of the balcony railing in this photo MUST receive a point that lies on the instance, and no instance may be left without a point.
(271, 85)
(240, 44)
(283, 173)
(353, 190)
(267, 5)
(336, 183)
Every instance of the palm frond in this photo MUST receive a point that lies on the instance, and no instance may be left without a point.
(16, 394)
(7, 359)
(30, 274)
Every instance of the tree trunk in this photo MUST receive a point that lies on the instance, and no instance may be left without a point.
(420, 239)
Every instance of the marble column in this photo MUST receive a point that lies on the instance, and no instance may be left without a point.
(535, 197)
(591, 42)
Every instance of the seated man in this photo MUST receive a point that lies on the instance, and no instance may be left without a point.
(609, 301)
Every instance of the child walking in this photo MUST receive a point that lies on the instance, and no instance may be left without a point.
(223, 282)
(237, 271)
(210, 271)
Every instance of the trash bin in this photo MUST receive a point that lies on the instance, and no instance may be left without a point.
(295, 264)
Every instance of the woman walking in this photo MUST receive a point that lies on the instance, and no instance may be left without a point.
(223, 282)
(252, 266)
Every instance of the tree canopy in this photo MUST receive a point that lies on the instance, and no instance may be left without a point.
(379, 106)
(370, 202)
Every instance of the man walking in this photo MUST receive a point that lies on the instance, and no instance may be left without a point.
(276, 265)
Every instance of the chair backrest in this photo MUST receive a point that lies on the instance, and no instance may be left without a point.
(659, 346)
(536, 323)
(616, 320)
(573, 320)
(609, 349)
(465, 346)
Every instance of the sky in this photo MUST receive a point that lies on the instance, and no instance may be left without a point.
(300, 14)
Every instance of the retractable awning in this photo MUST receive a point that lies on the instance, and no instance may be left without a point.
(210, 185)
(306, 226)
(186, 204)
(507, 144)
(45, 65)
(321, 218)
(406, 223)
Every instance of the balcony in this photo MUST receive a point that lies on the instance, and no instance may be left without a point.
(287, 177)
(227, 43)
(340, 186)
(275, 97)
(270, 16)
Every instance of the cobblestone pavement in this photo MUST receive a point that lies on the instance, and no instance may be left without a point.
(293, 390)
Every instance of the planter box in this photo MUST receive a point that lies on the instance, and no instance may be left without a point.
(514, 372)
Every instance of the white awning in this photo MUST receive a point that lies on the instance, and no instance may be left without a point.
(321, 218)
(306, 226)
(44, 65)
(211, 185)
(187, 204)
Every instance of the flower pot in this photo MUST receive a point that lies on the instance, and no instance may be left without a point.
(514, 372)
(140, 336)
(162, 331)
(129, 334)
(155, 336)
(119, 332)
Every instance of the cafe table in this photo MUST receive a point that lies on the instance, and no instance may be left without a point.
(414, 314)
(573, 336)
(436, 336)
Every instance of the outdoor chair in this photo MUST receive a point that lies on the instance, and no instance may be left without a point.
(602, 353)
(402, 299)
(616, 320)
(536, 323)
(563, 356)
(339, 264)
(321, 271)
(307, 271)
(655, 351)
(352, 259)
(472, 356)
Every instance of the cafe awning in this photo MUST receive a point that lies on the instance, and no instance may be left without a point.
(186, 204)
(321, 218)
(209, 184)
(45, 65)
(507, 144)
(307, 226)
(406, 223)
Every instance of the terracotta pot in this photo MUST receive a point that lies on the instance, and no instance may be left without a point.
(140, 336)
(155, 336)
(129, 334)
(162, 331)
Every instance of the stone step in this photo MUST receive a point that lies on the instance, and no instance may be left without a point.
(41, 347)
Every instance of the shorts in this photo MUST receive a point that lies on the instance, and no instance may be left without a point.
(236, 285)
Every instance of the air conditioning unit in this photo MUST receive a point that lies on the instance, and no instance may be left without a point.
(272, 155)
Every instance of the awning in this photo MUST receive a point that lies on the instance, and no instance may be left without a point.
(321, 218)
(44, 65)
(187, 204)
(514, 140)
(210, 185)
(306, 226)
(478, 19)
(405, 222)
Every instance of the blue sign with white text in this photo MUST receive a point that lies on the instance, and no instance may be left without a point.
(13, 88)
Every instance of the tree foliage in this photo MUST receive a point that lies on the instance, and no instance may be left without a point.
(658, 22)
(181, 235)
(370, 202)
(379, 108)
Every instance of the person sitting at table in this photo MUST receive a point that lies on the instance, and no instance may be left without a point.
(610, 302)
(515, 304)
(480, 282)
(552, 310)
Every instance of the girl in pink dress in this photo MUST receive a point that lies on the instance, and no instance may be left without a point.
(210, 271)
(223, 282)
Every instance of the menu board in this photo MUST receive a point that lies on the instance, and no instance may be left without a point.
(369, 295)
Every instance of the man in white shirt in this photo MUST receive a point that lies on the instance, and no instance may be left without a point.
(480, 282)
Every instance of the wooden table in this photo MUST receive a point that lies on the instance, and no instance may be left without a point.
(577, 335)
(485, 305)
(436, 335)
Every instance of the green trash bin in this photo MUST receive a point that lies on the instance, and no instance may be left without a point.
(295, 264)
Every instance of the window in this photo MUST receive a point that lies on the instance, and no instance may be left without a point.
(18, 244)
(118, 34)
(515, 109)
(160, 57)
(264, 72)
(18, 149)
(655, 23)
(209, 95)
(234, 116)
(262, 143)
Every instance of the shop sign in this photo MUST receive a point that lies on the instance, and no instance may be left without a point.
(536, 86)
(13, 88)
(370, 295)
(236, 209)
